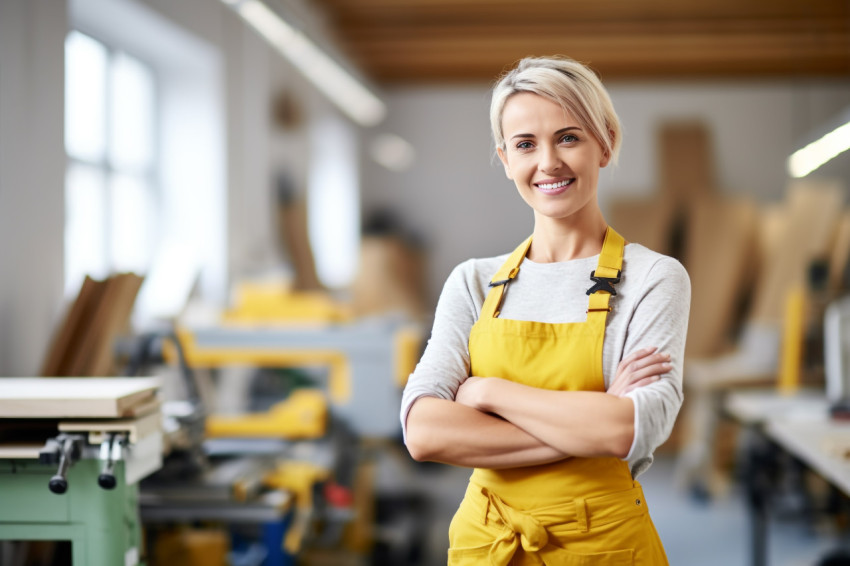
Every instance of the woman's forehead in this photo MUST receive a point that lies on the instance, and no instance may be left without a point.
(526, 109)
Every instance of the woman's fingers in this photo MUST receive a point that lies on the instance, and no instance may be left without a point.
(642, 382)
(638, 365)
(638, 369)
(636, 355)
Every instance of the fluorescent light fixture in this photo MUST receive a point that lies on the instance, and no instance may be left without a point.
(346, 92)
(805, 160)
(393, 152)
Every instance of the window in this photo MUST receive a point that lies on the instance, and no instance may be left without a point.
(111, 193)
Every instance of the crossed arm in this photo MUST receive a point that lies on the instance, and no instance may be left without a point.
(496, 423)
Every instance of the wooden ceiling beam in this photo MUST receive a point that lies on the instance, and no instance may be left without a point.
(455, 40)
(603, 9)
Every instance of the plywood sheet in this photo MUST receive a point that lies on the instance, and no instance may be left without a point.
(20, 451)
(42, 397)
(721, 238)
(110, 319)
(812, 214)
(292, 221)
(646, 221)
(137, 428)
(840, 255)
(686, 160)
(66, 344)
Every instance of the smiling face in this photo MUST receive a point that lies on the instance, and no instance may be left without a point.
(551, 158)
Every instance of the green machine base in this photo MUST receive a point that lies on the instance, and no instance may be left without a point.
(102, 525)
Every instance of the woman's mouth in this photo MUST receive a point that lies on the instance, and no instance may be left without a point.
(555, 187)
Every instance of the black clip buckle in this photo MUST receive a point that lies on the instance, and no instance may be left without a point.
(497, 283)
(603, 283)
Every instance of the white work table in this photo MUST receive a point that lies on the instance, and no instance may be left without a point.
(800, 424)
(822, 444)
(796, 423)
(757, 406)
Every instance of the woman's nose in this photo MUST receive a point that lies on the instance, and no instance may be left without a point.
(550, 161)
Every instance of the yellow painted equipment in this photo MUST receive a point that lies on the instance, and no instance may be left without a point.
(298, 478)
(304, 414)
(274, 302)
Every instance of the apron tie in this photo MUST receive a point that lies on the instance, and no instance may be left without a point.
(522, 529)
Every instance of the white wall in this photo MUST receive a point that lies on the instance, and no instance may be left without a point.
(32, 174)
(457, 197)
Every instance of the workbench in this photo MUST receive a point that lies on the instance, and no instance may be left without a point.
(795, 423)
(72, 452)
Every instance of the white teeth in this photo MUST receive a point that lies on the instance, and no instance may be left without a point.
(550, 186)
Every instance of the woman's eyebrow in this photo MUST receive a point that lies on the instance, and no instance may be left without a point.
(567, 129)
(561, 131)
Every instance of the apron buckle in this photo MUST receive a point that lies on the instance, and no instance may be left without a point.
(603, 283)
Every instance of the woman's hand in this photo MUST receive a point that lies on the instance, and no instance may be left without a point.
(638, 369)
(470, 392)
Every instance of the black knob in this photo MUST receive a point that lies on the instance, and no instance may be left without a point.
(58, 484)
(106, 481)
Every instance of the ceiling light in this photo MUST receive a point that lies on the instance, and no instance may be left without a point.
(805, 160)
(345, 91)
(393, 152)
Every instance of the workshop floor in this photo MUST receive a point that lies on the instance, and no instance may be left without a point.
(695, 533)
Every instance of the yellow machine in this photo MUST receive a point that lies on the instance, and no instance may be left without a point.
(302, 415)
(367, 360)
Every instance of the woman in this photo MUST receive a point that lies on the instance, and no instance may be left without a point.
(556, 370)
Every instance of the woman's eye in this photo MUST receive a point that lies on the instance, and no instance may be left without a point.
(524, 145)
(568, 138)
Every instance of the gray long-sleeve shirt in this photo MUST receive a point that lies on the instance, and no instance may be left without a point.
(651, 309)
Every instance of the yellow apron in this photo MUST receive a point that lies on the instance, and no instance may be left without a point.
(575, 512)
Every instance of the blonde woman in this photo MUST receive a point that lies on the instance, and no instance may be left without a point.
(556, 370)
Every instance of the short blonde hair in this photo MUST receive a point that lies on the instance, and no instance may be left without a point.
(569, 84)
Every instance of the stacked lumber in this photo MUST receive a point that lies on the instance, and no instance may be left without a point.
(83, 345)
(95, 398)
(744, 258)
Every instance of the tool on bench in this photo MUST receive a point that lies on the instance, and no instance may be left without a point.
(110, 451)
(64, 449)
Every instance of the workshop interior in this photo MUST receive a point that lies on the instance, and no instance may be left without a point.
(226, 224)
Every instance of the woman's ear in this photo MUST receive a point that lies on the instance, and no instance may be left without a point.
(504, 160)
(606, 154)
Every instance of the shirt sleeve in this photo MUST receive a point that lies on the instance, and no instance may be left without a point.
(660, 319)
(445, 362)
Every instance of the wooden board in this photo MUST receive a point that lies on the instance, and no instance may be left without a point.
(43, 397)
(20, 451)
(292, 227)
(812, 214)
(647, 221)
(110, 318)
(720, 251)
(71, 333)
(686, 160)
(840, 255)
(137, 428)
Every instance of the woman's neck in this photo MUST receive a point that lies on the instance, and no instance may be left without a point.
(565, 239)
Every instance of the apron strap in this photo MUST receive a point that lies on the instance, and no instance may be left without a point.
(508, 271)
(606, 275)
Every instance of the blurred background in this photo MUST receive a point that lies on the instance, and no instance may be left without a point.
(258, 201)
